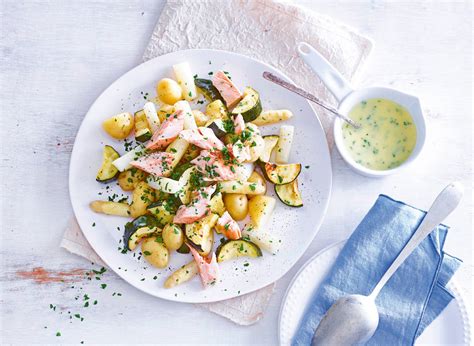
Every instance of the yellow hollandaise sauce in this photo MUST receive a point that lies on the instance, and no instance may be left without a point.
(386, 138)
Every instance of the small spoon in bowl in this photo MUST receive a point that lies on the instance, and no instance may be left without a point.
(354, 318)
(297, 90)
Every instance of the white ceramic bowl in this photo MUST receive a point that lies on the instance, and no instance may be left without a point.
(411, 103)
(348, 98)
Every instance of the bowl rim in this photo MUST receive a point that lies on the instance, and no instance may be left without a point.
(418, 117)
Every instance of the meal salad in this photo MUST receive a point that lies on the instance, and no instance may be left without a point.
(195, 174)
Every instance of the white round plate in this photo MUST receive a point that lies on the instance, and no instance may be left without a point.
(295, 227)
(452, 327)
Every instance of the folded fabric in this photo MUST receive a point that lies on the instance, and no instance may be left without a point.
(412, 298)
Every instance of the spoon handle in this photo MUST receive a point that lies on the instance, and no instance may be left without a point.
(444, 204)
(293, 88)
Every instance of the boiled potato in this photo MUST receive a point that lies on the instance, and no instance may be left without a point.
(200, 118)
(155, 252)
(237, 205)
(165, 111)
(111, 208)
(142, 196)
(173, 236)
(119, 126)
(183, 274)
(261, 209)
(129, 179)
(168, 91)
(256, 177)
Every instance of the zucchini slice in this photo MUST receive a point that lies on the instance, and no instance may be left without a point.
(289, 194)
(163, 211)
(250, 106)
(108, 172)
(142, 129)
(200, 234)
(270, 142)
(217, 126)
(184, 249)
(280, 174)
(216, 110)
(137, 236)
(231, 249)
(208, 89)
(142, 135)
(132, 227)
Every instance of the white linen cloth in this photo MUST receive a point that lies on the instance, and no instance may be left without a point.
(268, 31)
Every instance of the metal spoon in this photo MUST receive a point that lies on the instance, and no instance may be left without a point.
(353, 319)
(297, 90)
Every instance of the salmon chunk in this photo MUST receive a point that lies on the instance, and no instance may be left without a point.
(202, 137)
(207, 267)
(157, 164)
(211, 164)
(228, 227)
(198, 208)
(239, 152)
(239, 124)
(227, 89)
(167, 132)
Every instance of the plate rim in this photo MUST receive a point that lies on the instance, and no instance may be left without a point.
(295, 277)
(453, 285)
(316, 227)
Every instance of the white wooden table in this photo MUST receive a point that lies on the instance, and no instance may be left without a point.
(56, 58)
